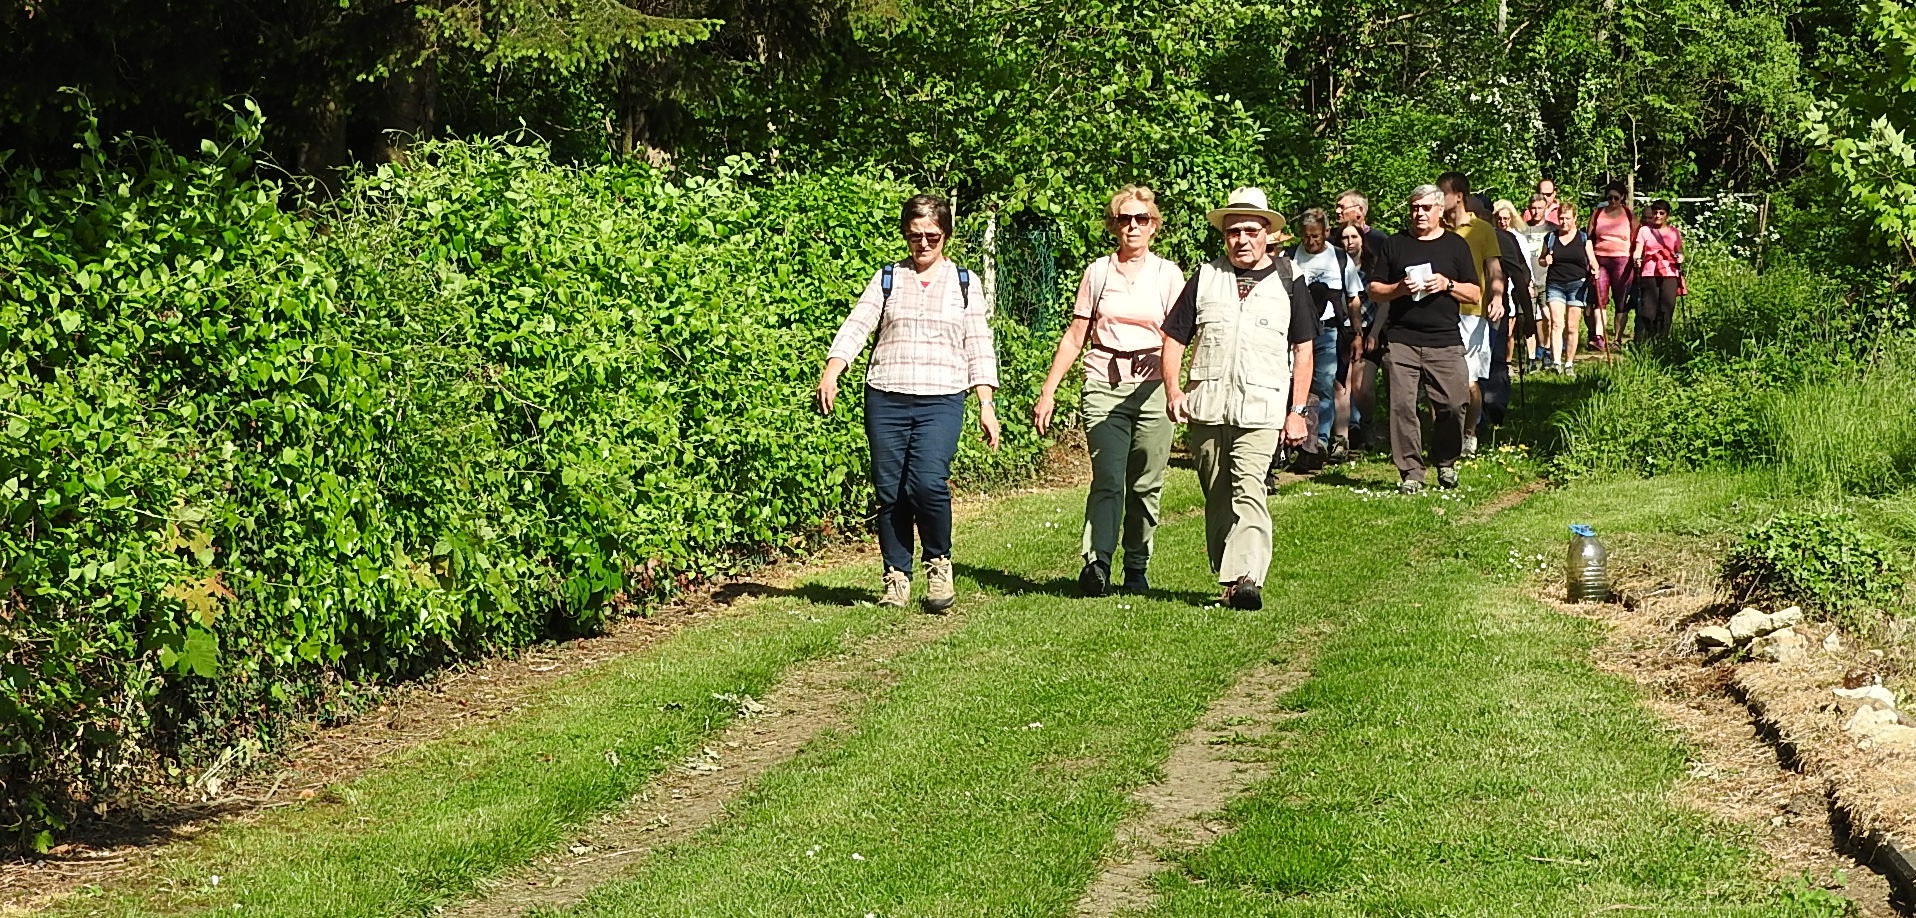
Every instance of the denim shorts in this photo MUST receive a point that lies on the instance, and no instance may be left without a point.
(1575, 293)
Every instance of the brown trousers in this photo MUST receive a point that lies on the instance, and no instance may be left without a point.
(1443, 372)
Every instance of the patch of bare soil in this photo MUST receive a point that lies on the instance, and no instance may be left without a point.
(1213, 762)
(695, 793)
(1795, 797)
(410, 716)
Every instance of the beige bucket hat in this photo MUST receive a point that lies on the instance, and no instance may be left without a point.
(1250, 202)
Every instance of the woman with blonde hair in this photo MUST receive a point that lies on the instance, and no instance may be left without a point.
(1116, 334)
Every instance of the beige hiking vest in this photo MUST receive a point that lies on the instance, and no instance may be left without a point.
(1241, 356)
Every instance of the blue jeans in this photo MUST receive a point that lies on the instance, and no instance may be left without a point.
(1324, 382)
(913, 439)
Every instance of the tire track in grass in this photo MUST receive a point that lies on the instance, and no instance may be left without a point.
(1210, 764)
(812, 702)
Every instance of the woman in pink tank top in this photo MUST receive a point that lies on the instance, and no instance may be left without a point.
(1613, 227)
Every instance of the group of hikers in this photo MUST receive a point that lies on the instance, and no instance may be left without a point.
(1269, 355)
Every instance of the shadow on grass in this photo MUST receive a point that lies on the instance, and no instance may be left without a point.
(816, 593)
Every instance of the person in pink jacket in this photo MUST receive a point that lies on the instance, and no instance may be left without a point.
(1658, 258)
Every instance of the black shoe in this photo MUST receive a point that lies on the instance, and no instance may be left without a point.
(1135, 581)
(1307, 462)
(1095, 579)
(1340, 451)
(1244, 595)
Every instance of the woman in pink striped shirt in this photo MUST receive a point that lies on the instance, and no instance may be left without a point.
(934, 345)
(1122, 301)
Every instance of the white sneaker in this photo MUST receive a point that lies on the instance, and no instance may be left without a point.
(1470, 446)
(939, 592)
(897, 589)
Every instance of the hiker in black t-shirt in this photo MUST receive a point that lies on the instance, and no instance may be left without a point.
(1424, 273)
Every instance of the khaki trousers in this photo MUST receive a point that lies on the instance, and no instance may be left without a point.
(1231, 462)
(1443, 372)
(1130, 436)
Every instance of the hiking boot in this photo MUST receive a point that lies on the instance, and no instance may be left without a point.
(939, 592)
(1307, 462)
(1340, 450)
(1095, 579)
(1135, 581)
(1244, 595)
(1447, 477)
(1470, 448)
(1410, 486)
(897, 590)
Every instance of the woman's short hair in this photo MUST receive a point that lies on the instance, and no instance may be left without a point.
(925, 205)
(1502, 207)
(1138, 193)
(1314, 216)
(1662, 204)
(1569, 209)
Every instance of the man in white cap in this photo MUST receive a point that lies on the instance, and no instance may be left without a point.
(1251, 363)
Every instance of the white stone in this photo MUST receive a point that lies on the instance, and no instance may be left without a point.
(1867, 720)
(1869, 696)
(1832, 642)
(1779, 646)
(1787, 617)
(1714, 636)
(1895, 735)
(1749, 623)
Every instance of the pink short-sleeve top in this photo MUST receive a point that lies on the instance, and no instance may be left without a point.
(1127, 317)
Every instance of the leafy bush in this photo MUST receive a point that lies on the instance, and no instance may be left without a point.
(1820, 560)
(252, 460)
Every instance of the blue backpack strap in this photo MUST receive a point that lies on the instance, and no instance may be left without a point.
(964, 286)
(884, 283)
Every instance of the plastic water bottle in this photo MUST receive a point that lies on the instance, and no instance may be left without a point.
(1586, 573)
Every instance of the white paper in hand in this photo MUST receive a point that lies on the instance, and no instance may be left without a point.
(1417, 275)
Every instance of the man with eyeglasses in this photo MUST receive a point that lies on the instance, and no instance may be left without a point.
(1552, 212)
(1254, 322)
(1424, 274)
(1353, 209)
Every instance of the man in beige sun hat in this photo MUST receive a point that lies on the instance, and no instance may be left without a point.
(1251, 362)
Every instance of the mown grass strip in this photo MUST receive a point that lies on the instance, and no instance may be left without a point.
(990, 779)
(412, 836)
(1460, 757)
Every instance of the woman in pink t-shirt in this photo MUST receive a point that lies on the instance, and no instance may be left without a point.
(1613, 226)
(1658, 257)
(1122, 301)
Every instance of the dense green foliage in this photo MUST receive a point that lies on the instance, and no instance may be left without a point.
(251, 459)
(1820, 560)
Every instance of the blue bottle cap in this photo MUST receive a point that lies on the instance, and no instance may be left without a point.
(1582, 530)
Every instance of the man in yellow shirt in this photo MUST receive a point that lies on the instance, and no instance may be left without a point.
(1474, 320)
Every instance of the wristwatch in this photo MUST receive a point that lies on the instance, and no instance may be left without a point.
(1449, 285)
(1302, 411)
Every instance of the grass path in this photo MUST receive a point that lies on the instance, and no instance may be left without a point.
(1452, 753)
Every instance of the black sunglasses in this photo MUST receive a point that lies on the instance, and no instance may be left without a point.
(925, 238)
(1128, 219)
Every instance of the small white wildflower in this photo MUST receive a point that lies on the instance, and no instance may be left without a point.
(857, 857)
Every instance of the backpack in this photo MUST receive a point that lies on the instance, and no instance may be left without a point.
(885, 281)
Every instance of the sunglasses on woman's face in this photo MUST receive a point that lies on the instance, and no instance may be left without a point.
(924, 238)
(1128, 219)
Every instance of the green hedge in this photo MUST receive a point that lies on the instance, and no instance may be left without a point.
(253, 458)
